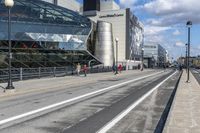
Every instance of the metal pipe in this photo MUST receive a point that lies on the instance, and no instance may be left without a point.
(10, 84)
(188, 59)
(186, 63)
(116, 56)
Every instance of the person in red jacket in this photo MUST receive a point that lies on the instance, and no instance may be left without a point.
(120, 68)
(85, 70)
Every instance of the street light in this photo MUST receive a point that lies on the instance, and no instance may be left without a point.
(72, 58)
(142, 61)
(189, 25)
(9, 4)
(117, 41)
(186, 56)
(152, 60)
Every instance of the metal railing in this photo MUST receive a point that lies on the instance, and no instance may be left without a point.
(33, 73)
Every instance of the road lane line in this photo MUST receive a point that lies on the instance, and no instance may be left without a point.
(71, 100)
(114, 121)
(195, 71)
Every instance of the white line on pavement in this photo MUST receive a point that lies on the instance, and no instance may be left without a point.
(195, 71)
(70, 100)
(114, 121)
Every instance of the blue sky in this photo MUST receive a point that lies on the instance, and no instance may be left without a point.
(165, 23)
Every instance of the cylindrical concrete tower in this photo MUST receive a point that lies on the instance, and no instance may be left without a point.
(104, 50)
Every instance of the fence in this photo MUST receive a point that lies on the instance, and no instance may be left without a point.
(31, 73)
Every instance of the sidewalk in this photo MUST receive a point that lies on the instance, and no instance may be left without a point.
(184, 116)
(52, 84)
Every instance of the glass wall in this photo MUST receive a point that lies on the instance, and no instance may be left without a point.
(34, 20)
(44, 32)
(136, 35)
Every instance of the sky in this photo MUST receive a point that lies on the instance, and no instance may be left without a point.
(165, 23)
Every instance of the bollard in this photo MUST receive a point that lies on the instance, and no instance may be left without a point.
(21, 73)
(39, 72)
(54, 71)
(66, 70)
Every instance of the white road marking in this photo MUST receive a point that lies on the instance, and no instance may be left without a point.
(195, 71)
(71, 100)
(114, 121)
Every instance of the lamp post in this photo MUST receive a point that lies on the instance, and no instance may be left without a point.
(9, 4)
(89, 64)
(186, 56)
(152, 60)
(142, 61)
(72, 62)
(117, 41)
(189, 25)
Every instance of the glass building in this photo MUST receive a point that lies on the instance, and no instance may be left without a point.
(44, 35)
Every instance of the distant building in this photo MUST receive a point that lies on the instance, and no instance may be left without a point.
(181, 61)
(193, 61)
(156, 52)
(167, 56)
(196, 62)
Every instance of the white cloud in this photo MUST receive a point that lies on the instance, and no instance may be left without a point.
(173, 12)
(156, 39)
(176, 32)
(195, 51)
(154, 30)
(154, 34)
(180, 44)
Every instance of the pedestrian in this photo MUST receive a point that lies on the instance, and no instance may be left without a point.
(141, 67)
(85, 70)
(78, 69)
(113, 68)
(120, 68)
(164, 67)
(138, 66)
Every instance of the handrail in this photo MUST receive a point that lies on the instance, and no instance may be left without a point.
(31, 73)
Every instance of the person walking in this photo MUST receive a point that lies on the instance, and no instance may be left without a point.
(85, 70)
(78, 69)
(120, 68)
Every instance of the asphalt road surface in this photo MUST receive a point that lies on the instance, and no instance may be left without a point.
(127, 104)
(196, 73)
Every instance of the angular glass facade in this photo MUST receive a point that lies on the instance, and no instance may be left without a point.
(136, 35)
(44, 34)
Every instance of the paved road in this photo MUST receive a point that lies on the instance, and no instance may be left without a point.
(91, 106)
(196, 73)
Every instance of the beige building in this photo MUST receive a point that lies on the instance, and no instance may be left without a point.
(126, 27)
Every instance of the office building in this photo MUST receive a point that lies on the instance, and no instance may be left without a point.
(44, 35)
(125, 26)
(155, 53)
